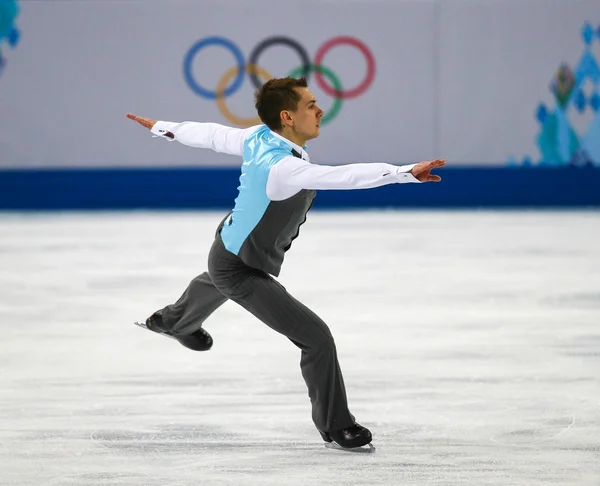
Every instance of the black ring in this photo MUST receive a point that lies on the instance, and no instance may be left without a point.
(286, 41)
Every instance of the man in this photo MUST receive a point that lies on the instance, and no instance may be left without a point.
(276, 190)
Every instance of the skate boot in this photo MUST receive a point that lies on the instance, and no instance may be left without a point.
(199, 340)
(352, 438)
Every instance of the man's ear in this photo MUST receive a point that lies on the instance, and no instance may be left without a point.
(286, 118)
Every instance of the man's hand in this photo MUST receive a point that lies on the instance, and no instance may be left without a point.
(422, 171)
(145, 122)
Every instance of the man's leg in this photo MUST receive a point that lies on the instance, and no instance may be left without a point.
(268, 300)
(200, 300)
(183, 320)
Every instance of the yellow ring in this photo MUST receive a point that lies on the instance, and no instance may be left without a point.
(222, 86)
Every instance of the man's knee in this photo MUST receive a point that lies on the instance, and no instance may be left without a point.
(202, 279)
(324, 344)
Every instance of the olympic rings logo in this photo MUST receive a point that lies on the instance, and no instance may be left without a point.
(232, 80)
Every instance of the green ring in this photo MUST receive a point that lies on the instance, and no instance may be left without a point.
(337, 103)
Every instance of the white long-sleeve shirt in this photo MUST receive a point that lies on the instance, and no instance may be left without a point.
(291, 174)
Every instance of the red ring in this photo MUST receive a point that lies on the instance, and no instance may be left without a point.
(362, 87)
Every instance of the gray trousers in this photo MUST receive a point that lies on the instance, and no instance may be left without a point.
(228, 278)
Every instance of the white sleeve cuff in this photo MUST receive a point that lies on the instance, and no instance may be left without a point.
(403, 174)
(161, 128)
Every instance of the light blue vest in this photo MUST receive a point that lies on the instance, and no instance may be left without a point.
(259, 230)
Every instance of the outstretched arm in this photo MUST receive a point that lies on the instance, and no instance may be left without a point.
(220, 138)
(291, 175)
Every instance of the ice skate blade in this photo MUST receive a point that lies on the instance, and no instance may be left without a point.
(143, 326)
(367, 449)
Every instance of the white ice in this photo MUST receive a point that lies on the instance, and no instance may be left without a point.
(469, 342)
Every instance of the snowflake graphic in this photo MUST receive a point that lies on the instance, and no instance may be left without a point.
(9, 34)
(562, 139)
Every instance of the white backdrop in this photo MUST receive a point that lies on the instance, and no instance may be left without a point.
(454, 79)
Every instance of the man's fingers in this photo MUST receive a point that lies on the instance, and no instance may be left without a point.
(429, 165)
(145, 122)
(140, 119)
(434, 164)
(422, 170)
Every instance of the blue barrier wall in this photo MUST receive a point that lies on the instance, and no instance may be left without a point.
(117, 189)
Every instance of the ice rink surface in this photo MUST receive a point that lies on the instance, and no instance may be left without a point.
(469, 342)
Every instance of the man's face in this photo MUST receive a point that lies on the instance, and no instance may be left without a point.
(307, 117)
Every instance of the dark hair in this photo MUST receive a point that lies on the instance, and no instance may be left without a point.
(276, 95)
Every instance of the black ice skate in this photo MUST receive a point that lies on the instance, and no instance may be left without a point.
(199, 340)
(352, 439)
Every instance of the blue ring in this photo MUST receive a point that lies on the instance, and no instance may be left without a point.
(218, 41)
